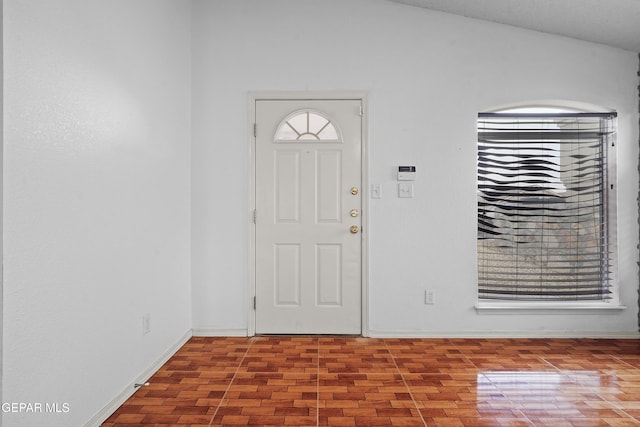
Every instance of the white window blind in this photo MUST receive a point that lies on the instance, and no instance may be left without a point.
(542, 206)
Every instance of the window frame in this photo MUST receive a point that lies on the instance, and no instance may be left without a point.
(609, 198)
(302, 136)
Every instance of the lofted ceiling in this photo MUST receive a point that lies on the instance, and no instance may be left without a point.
(611, 22)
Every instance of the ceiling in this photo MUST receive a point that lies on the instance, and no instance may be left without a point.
(610, 22)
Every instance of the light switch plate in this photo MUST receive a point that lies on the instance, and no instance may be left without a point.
(429, 297)
(376, 191)
(405, 190)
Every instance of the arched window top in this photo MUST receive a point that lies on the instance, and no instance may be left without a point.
(307, 125)
(527, 146)
(548, 106)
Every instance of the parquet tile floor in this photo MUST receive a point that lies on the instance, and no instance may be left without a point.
(355, 381)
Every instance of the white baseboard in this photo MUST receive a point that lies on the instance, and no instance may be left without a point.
(452, 334)
(506, 334)
(219, 332)
(106, 412)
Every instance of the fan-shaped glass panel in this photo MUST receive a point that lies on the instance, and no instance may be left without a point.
(307, 126)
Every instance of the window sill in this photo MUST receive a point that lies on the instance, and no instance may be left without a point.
(547, 308)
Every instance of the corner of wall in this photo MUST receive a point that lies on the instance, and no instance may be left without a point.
(639, 192)
(142, 378)
(1, 195)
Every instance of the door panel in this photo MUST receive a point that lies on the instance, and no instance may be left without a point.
(308, 262)
(329, 281)
(287, 274)
(329, 181)
(287, 186)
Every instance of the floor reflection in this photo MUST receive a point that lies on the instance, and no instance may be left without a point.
(578, 397)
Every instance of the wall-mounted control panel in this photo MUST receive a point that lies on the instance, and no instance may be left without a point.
(406, 173)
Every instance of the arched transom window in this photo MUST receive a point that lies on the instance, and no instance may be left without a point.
(307, 126)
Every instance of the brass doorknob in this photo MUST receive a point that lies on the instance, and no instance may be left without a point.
(354, 213)
(354, 229)
(354, 191)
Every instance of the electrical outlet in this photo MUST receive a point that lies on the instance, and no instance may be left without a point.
(429, 297)
(146, 323)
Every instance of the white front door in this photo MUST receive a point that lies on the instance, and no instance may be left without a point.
(308, 216)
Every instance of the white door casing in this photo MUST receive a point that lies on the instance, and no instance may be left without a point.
(308, 259)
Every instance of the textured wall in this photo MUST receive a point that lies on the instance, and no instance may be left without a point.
(1, 193)
(97, 108)
(428, 75)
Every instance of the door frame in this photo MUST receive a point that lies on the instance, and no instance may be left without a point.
(311, 96)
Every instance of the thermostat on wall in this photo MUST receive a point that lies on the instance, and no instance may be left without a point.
(406, 173)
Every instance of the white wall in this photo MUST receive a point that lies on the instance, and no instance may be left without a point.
(428, 75)
(97, 214)
(1, 191)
